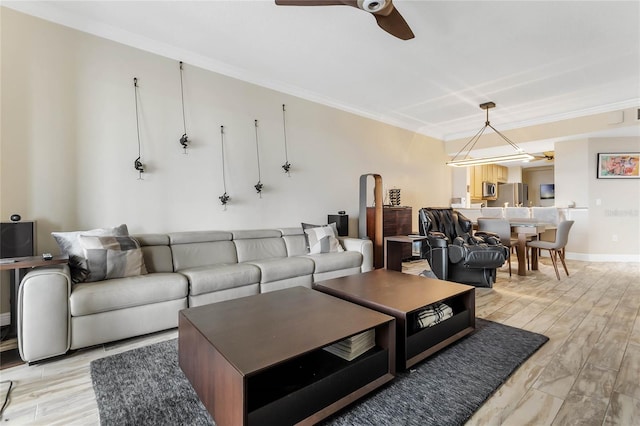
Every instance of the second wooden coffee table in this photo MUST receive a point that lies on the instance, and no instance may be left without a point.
(402, 296)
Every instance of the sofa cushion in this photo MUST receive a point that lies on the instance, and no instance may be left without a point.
(69, 244)
(321, 238)
(276, 269)
(335, 261)
(206, 279)
(199, 237)
(112, 257)
(260, 248)
(194, 255)
(156, 252)
(119, 293)
(295, 241)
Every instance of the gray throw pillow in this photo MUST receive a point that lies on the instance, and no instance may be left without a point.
(112, 257)
(69, 244)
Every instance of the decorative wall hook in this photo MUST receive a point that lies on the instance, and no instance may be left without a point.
(286, 166)
(258, 186)
(137, 164)
(224, 198)
(184, 139)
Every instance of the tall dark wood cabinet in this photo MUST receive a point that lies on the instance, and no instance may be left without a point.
(395, 221)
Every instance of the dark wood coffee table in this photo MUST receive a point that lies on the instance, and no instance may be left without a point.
(401, 296)
(259, 359)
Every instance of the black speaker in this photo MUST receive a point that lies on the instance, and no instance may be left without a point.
(342, 223)
(17, 239)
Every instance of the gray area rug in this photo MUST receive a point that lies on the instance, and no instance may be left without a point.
(146, 386)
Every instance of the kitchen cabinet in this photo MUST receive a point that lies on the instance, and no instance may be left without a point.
(493, 173)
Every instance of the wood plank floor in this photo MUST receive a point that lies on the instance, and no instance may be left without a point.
(588, 373)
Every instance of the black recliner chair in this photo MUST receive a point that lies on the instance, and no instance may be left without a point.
(457, 255)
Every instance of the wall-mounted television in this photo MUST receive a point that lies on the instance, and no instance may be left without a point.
(547, 191)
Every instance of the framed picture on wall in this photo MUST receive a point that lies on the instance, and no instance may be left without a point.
(547, 191)
(618, 165)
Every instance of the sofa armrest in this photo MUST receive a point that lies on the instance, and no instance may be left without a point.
(364, 247)
(43, 313)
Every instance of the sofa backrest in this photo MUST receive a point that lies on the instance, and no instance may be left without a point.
(156, 252)
(294, 240)
(202, 248)
(259, 244)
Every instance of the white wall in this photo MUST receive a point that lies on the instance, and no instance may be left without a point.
(69, 142)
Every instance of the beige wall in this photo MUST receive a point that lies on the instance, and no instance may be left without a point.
(614, 204)
(69, 142)
(534, 177)
(607, 212)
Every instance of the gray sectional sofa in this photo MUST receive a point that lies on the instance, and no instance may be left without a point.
(185, 269)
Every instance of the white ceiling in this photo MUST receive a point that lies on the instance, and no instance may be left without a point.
(539, 61)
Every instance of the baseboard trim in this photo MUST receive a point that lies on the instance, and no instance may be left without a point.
(586, 257)
(5, 319)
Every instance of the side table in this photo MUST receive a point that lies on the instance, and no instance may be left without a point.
(17, 264)
(393, 249)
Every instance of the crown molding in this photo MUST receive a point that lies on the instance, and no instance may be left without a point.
(616, 106)
(43, 10)
(49, 12)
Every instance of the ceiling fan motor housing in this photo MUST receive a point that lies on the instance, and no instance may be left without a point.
(372, 6)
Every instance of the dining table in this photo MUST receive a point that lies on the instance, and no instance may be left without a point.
(524, 230)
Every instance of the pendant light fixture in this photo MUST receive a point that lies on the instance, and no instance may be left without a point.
(224, 198)
(466, 160)
(286, 166)
(184, 139)
(137, 164)
(258, 186)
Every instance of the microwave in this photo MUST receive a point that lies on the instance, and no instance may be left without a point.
(489, 189)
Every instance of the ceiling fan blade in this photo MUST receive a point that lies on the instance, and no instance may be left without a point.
(394, 24)
(310, 2)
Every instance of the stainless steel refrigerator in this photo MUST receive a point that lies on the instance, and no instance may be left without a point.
(516, 194)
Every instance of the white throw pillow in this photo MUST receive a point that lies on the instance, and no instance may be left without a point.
(321, 238)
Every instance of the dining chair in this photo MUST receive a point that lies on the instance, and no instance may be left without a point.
(502, 228)
(556, 248)
(551, 215)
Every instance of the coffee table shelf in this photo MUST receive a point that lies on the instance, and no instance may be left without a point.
(301, 387)
(402, 296)
(259, 359)
(427, 341)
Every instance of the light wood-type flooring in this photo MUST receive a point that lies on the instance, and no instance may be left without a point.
(588, 373)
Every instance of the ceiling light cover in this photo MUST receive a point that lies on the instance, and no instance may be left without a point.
(490, 160)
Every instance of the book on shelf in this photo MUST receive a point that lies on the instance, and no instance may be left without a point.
(354, 346)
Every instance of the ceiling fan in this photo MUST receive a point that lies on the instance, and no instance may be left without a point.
(546, 155)
(387, 16)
